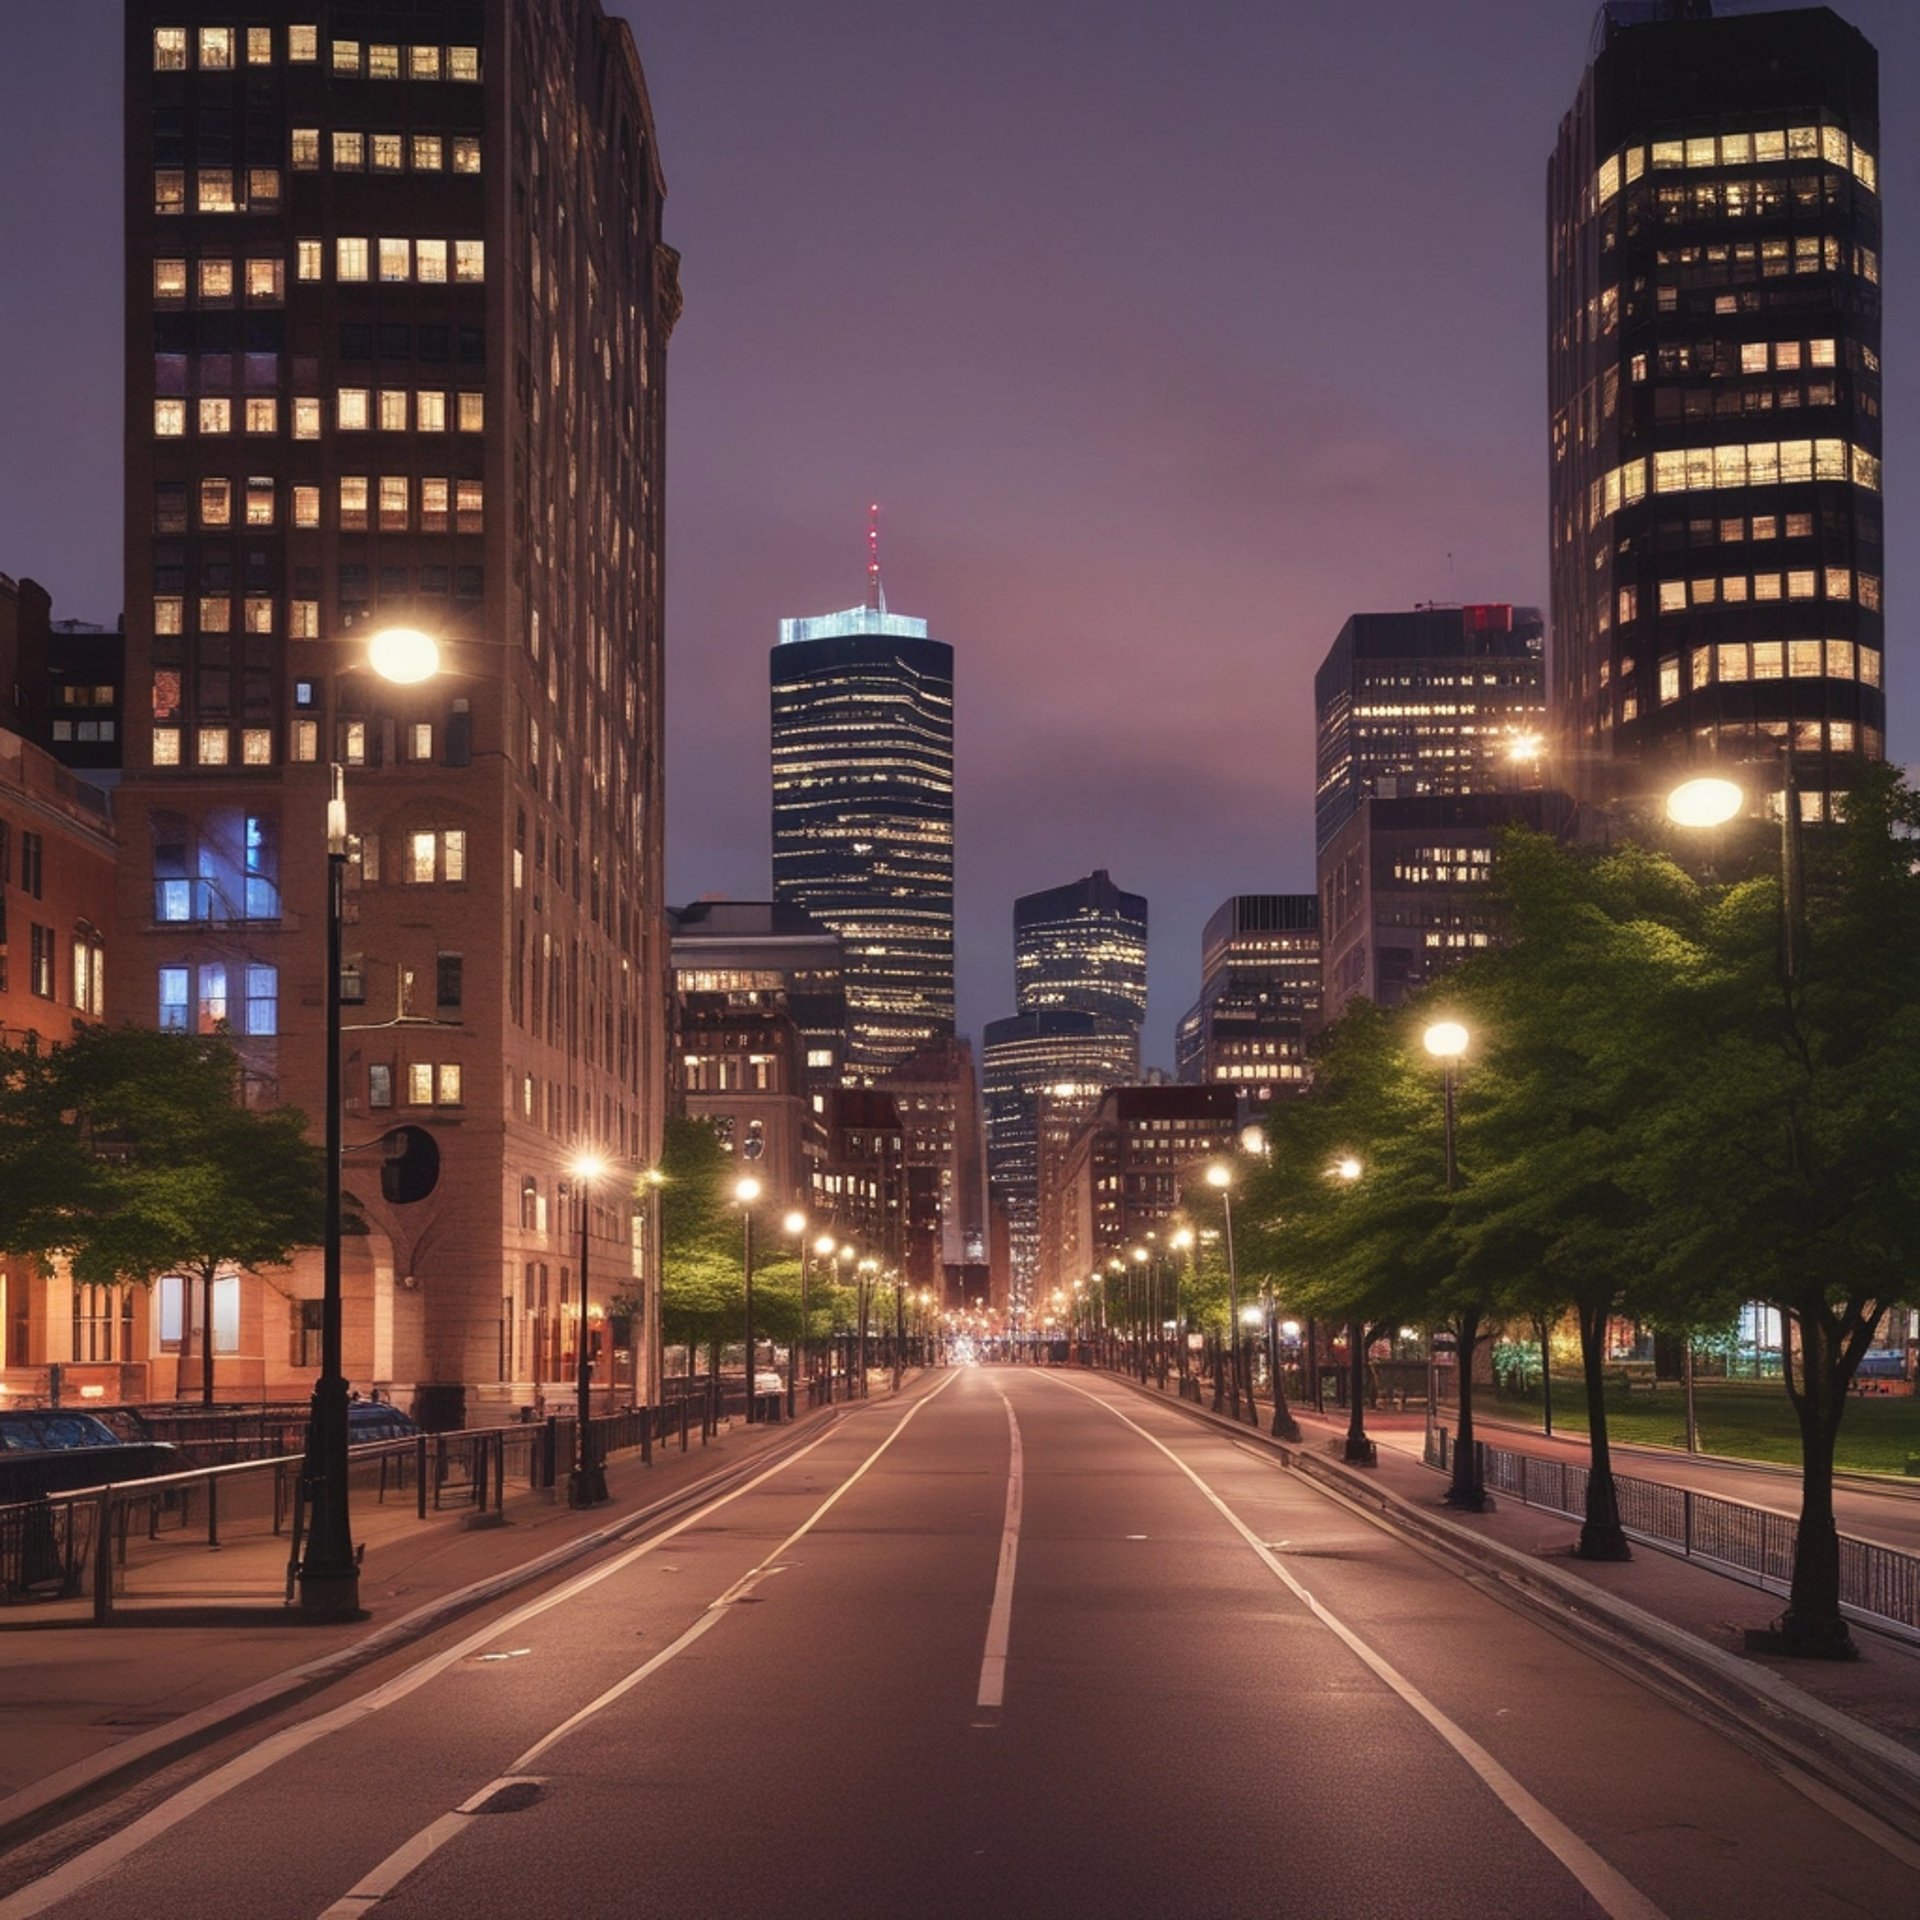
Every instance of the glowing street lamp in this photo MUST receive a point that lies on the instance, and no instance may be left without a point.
(796, 1224)
(1708, 801)
(746, 1190)
(1220, 1178)
(587, 1483)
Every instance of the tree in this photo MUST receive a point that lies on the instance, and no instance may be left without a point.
(146, 1164)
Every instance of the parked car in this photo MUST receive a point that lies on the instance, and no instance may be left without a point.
(378, 1420)
(50, 1450)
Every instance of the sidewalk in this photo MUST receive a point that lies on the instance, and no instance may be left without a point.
(1854, 1724)
(211, 1643)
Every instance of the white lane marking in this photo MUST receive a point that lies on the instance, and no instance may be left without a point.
(1616, 1895)
(993, 1662)
(85, 1867)
(372, 1888)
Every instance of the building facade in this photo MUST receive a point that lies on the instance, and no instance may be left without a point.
(937, 1095)
(397, 313)
(1084, 947)
(1432, 701)
(1714, 376)
(1259, 999)
(863, 815)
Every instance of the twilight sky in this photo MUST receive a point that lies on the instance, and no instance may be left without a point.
(1167, 335)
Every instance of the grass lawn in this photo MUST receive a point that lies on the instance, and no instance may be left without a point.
(1750, 1420)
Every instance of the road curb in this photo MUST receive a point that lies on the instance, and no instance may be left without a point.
(34, 1808)
(1754, 1704)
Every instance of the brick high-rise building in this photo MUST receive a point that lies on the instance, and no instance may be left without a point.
(1714, 225)
(1259, 998)
(397, 315)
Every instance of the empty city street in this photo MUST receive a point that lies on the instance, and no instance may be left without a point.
(1219, 1691)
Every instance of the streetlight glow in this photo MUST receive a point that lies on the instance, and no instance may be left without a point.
(824, 1246)
(1446, 1039)
(1347, 1169)
(586, 1166)
(1219, 1176)
(746, 1189)
(795, 1222)
(404, 655)
(1705, 802)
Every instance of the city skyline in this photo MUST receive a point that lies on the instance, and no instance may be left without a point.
(1165, 525)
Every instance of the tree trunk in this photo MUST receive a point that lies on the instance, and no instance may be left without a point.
(1813, 1624)
(1359, 1449)
(1285, 1426)
(1601, 1537)
(1468, 1490)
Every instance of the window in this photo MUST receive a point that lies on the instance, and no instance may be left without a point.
(264, 281)
(346, 56)
(430, 259)
(259, 46)
(215, 614)
(396, 259)
(89, 973)
(169, 280)
(216, 49)
(306, 740)
(210, 746)
(33, 860)
(393, 409)
(303, 45)
(169, 419)
(396, 503)
(350, 258)
(263, 414)
(388, 152)
(263, 188)
(216, 281)
(430, 411)
(259, 500)
(435, 497)
(463, 63)
(303, 617)
(423, 63)
(1669, 679)
(420, 740)
(446, 1084)
(168, 610)
(263, 1000)
(169, 49)
(383, 63)
(469, 259)
(353, 502)
(427, 150)
(1753, 357)
(303, 153)
(173, 999)
(308, 257)
(466, 153)
(436, 855)
(473, 412)
(306, 513)
(40, 961)
(350, 410)
(169, 190)
(379, 1085)
(214, 192)
(216, 415)
(166, 746)
(449, 973)
(349, 152)
(468, 506)
(306, 418)
(420, 1084)
(216, 502)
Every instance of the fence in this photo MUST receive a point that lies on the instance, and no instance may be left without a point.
(1879, 1586)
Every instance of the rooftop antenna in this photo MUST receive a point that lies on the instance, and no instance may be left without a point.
(876, 593)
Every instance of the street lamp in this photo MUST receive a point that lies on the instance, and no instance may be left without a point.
(329, 1571)
(796, 1224)
(1447, 1040)
(651, 1291)
(1220, 1178)
(1359, 1450)
(587, 1483)
(746, 1190)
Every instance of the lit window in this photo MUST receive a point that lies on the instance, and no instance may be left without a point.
(263, 414)
(259, 500)
(1870, 666)
(169, 418)
(1753, 357)
(1786, 356)
(353, 502)
(210, 746)
(1839, 583)
(396, 259)
(383, 63)
(1669, 680)
(396, 503)
(263, 1000)
(169, 190)
(427, 152)
(353, 750)
(423, 63)
(469, 260)
(435, 498)
(1820, 353)
(306, 740)
(263, 188)
(463, 63)
(166, 746)
(216, 49)
(216, 415)
(303, 44)
(1734, 588)
(350, 258)
(473, 412)
(1766, 526)
(216, 280)
(466, 153)
(169, 609)
(389, 153)
(1839, 659)
(309, 259)
(1733, 663)
(393, 409)
(346, 56)
(1802, 584)
(173, 999)
(422, 856)
(469, 504)
(169, 49)
(216, 502)
(306, 418)
(420, 740)
(263, 281)
(1673, 596)
(216, 613)
(430, 411)
(256, 747)
(1702, 666)
(169, 280)
(1806, 659)
(350, 410)
(1769, 660)
(303, 616)
(430, 260)
(304, 156)
(446, 1092)
(420, 1084)
(1870, 592)
(349, 152)
(213, 190)
(259, 46)
(257, 613)
(306, 508)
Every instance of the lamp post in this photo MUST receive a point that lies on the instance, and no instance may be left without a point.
(587, 1483)
(329, 1571)
(1182, 1244)
(1359, 1449)
(824, 1247)
(1220, 1178)
(866, 1270)
(796, 1224)
(652, 1291)
(1447, 1040)
(1138, 1286)
(746, 1190)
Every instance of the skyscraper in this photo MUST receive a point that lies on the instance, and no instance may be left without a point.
(1259, 995)
(1715, 384)
(863, 814)
(397, 315)
(1082, 946)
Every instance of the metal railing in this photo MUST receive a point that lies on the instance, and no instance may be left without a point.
(1879, 1586)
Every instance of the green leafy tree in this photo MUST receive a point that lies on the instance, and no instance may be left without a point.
(129, 1152)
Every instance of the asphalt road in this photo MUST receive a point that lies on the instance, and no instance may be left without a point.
(1018, 1644)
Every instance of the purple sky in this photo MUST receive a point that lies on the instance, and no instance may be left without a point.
(1166, 335)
